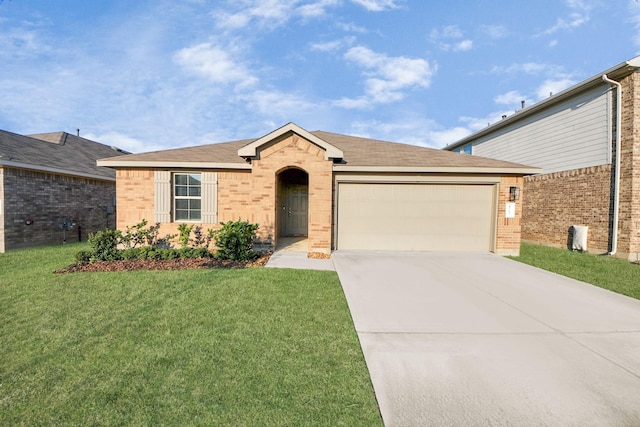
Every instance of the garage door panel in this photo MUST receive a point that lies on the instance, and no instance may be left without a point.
(444, 217)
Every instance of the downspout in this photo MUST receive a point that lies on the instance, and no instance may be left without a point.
(616, 191)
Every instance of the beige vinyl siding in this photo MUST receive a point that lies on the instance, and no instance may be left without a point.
(571, 135)
(416, 217)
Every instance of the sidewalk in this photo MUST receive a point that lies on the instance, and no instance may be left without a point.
(292, 253)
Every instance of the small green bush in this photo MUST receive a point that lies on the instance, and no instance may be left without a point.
(184, 231)
(194, 253)
(104, 245)
(84, 256)
(234, 240)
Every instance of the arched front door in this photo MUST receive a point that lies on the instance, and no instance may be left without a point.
(293, 203)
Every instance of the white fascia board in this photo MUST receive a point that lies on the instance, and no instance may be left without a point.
(624, 67)
(331, 152)
(55, 170)
(183, 165)
(439, 169)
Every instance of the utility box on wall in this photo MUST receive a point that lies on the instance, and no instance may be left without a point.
(580, 237)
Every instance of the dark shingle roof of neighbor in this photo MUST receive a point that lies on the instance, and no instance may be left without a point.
(357, 152)
(59, 151)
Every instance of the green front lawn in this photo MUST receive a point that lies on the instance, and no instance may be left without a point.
(607, 272)
(194, 347)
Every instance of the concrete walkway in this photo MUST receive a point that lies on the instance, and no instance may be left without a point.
(292, 253)
(477, 339)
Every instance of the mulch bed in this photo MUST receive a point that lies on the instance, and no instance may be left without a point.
(170, 264)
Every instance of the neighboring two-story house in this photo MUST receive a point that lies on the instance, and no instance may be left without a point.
(587, 141)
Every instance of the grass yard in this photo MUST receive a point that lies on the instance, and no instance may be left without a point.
(195, 347)
(607, 272)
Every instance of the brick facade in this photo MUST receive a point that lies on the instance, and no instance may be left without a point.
(508, 229)
(629, 216)
(554, 202)
(46, 200)
(247, 195)
(255, 195)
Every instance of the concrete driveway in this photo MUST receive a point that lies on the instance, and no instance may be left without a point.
(477, 339)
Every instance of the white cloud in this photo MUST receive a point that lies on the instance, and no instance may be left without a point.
(495, 31)
(334, 45)
(634, 12)
(442, 138)
(377, 5)
(270, 13)
(316, 9)
(450, 37)
(553, 86)
(462, 46)
(282, 104)
(351, 28)
(580, 15)
(534, 68)
(215, 64)
(122, 141)
(512, 98)
(388, 76)
(477, 123)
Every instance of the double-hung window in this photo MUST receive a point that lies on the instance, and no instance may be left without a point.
(187, 197)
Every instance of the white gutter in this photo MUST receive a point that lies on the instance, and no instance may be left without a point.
(170, 164)
(616, 196)
(524, 170)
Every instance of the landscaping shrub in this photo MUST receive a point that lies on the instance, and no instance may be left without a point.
(234, 240)
(184, 231)
(104, 245)
(140, 242)
(194, 253)
(201, 240)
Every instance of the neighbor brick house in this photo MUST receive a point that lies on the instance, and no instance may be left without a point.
(341, 191)
(49, 182)
(573, 136)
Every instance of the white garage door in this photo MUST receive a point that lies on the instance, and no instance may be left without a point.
(416, 217)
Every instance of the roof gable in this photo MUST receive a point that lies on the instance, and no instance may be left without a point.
(251, 150)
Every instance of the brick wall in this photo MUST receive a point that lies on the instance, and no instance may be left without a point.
(556, 201)
(247, 195)
(47, 200)
(2, 214)
(508, 229)
(629, 214)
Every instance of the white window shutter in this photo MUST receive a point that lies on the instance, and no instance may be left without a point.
(209, 197)
(162, 196)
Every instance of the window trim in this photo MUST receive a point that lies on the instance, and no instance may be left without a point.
(175, 198)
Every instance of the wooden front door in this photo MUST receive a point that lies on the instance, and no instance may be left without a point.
(295, 210)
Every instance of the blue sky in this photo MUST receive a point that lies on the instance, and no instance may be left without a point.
(153, 74)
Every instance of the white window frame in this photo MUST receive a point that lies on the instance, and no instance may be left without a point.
(176, 198)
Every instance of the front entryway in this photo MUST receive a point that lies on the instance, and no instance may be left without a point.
(293, 206)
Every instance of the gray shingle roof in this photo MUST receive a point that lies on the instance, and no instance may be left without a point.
(358, 152)
(56, 151)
